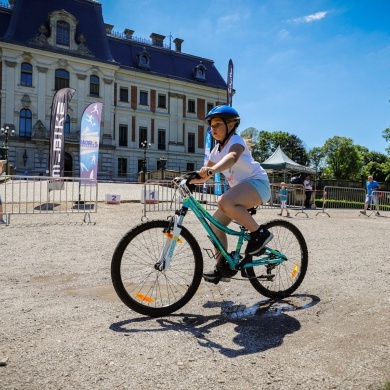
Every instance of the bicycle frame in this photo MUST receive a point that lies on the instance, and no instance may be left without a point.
(269, 256)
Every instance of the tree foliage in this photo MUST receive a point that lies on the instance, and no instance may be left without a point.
(343, 158)
(338, 158)
(386, 136)
(268, 142)
(316, 156)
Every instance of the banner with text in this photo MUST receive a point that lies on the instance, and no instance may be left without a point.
(207, 150)
(230, 84)
(89, 142)
(59, 111)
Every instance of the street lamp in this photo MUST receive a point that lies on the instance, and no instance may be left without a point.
(144, 146)
(7, 133)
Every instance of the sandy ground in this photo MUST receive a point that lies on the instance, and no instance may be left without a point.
(62, 326)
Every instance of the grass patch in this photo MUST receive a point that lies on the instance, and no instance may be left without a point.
(386, 386)
(345, 204)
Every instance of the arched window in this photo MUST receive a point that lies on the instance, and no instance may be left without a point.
(61, 79)
(67, 125)
(94, 83)
(25, 123)
(26, 71)
(63, 33)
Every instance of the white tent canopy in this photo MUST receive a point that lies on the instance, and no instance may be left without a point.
(279, 161)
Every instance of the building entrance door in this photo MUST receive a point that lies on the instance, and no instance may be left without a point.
(68, 165)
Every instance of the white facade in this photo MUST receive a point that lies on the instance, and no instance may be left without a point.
(180, 118)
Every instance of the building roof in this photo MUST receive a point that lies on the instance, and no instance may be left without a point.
(103, 45)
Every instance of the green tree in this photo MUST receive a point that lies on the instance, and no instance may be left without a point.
(342, 158)
(316, 156)
(386, 136)
(290, 144)
(373, 163)
(251, 134)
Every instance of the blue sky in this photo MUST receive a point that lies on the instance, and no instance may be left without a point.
(316, 69)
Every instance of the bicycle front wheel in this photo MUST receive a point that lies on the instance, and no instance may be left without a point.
(138, 279)
(281, 280)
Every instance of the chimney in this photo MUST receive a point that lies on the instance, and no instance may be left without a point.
(178, 42)
(157, 39)
(109, 28)
(128, 33)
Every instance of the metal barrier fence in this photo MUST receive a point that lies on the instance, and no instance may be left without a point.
(344, 198)
(383, 201)
(161, 195)
(45, 195)
(295, 197)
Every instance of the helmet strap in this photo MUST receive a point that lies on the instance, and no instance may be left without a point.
(228, 135)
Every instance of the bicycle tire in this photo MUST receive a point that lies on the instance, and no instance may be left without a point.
(144, 288)
(281, 280)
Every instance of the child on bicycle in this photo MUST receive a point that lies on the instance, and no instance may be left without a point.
(248, 181)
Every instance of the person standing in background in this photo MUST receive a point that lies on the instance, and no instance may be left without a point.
(307, 183)
(283, 192)
(371, 196)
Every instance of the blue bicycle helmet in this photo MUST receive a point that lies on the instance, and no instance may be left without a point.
(226, 113)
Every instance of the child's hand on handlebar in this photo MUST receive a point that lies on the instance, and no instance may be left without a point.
(206, 172)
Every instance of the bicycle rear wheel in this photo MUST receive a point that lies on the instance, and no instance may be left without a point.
(281, 280)
(136, 277)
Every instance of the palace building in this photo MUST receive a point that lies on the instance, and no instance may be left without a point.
(150, 89)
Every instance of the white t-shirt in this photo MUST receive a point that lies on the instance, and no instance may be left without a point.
(307, 185)
(245, 168)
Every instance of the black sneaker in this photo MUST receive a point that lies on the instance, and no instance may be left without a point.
(377, 214)
(214, 277)
(256, 243)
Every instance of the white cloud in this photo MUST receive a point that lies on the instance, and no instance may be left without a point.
(310, 18)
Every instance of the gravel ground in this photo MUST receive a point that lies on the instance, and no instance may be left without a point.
(62, 326)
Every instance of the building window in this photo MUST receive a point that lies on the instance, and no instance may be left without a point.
(61, 79)
(25, 123)
(161, 164)
(191, 142)
(26, 74)
(162, 101)
(191, 106)
(67, 125)
(143, 136)
(122, 167)
(123, 132)
(63, 33)
(210, 106)
(143, 98)
(140, 165)
(123, 95)
(161, 140)
(190, 166)
(94, 85)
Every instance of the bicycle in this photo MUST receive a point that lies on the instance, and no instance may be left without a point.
(157, 266)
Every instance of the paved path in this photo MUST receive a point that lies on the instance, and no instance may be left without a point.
(62, 326)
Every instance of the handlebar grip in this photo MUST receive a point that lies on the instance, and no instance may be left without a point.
(209, 172)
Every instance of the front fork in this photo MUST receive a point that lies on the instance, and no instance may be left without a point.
(173, 237)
